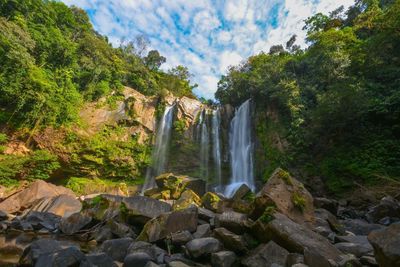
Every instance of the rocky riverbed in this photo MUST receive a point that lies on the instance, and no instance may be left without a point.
(180, 224)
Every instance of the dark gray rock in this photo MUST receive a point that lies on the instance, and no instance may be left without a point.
(205, 214)
(241, 192)
(387, 207)
(230, 240)
(369, 261)
(157, 254)
(233, 221)
(137, 259)
(325, 218)
(116, 248)
(120, 229)
(177, 264)
(223, 259)
(40, 220)
(168, 223)
(3, 215)
(294, 258)
(266, 255)
(203, 230)
(202, 247)
(357, 250)
(181, 238)
(197, 185)
(100, 260)
(386, 244)
(102, 234)
(329, 204)
(360, 227)
(68, 257)
(74, 223)
(140, 209)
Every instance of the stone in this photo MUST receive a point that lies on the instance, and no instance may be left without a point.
(202, 247)
(205, 214)
(103, 207)
(357, 250)
(141, 209)
(41, 220)
(34, 192)
(181, 238)
(294, 258)
(387, 207)
(187, 198)
(74, 223)
(241, 192)
(297, 238)
(167, 223)
(386, 244)
(266, 255)
(116, 248)
(100, 260)
(157, 254)
(196, 185)
(120, 229)
(360, 247)
(287, 195)
(233, 221)
(137, 259)
(231, 241)
(203, 230)
(3, 215)
(223, 259)
(360, 227)
(68, 257)
(324, 203)
(177, 264)
(171, 182)
(369, 261)
(102, 234)
(40, 247)
(211, 201)
(325, 218)
(62, 205)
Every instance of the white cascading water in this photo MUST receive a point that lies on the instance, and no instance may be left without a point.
(241, 150)
(160, 150)
(215, 131)
(204, 145)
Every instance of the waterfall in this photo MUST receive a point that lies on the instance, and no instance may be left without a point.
(216, 119)
(160, 150)
(204, 145)
(241, 149)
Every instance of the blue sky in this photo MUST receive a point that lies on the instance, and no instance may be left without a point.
(207, 36)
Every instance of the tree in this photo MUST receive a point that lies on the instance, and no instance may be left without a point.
(154, 60)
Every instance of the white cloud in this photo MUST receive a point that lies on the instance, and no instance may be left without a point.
(207, 36)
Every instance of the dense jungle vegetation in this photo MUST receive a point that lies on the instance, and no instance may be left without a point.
(338, 101)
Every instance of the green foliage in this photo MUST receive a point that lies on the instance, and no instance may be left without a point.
(3, 140)
(38, 165)
(52, 61)
(268, 214)
(333, 109)
(298, 200)
(179, 126)
(285, 176)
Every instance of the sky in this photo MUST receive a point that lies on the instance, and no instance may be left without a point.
(207, 36)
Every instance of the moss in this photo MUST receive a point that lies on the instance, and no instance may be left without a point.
(180, 126)
(82, 186)
(250, 196)
(298, 200)
(285, 176)
(268, 214)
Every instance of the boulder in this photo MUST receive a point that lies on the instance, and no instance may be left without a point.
(196, 185)
(120, 229)
(177, 264)
(38, 221)
(68, 257)
(74, 223)
(34, 192)
(116, 248)
(62, 205)
(211, 201)
(41, 247)
(3, 215)
(103, 207)
(140, 209)
(294, 258)
(223, 259)
(202, 247)
(171, 182)
(137, 259)
(157, 254)
(297, 238)
(266, 255)
(360, 227)
(386, 244)
(205, 214)
(287, 195)
(230, 240)
(100, 260)
(181, 238)
(233, 221)
(241, 192)
(167, 223)
(369, 261)
(326, 219)
(357, 250)
(203, 230)
(387, 207)
(187, 198)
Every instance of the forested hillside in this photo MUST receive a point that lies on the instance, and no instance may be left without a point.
(52, 60)
(336, 104)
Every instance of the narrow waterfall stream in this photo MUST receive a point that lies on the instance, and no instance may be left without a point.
(215, 132)
(241, 150)
(204, 145)
(160, 150)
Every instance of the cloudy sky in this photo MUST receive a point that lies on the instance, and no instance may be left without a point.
(207, 36)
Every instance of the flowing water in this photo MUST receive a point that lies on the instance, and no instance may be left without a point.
(160, 150)
(215, 132)
(241, 148)
(204, 145)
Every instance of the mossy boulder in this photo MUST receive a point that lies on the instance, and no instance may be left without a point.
(287, 195)
(171, 182)
(187, 198)
(211, 201)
